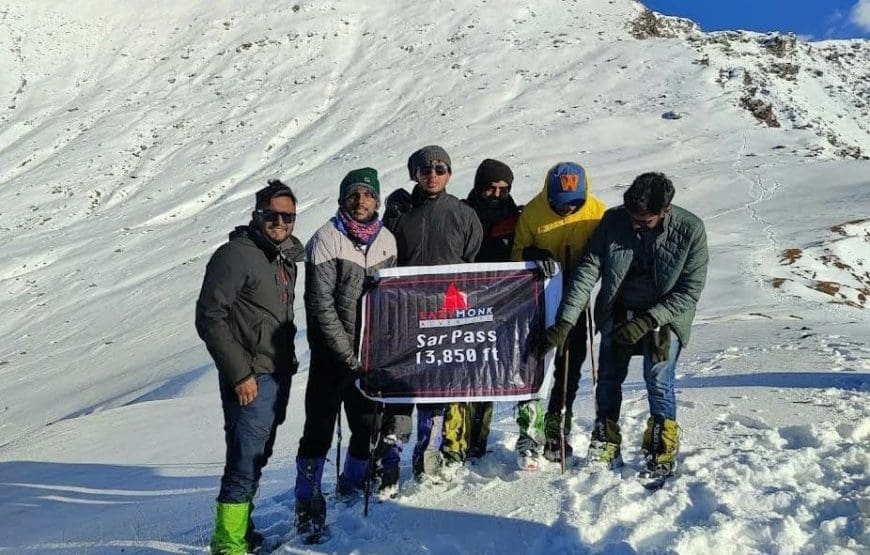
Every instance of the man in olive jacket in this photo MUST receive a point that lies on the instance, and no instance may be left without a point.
(245, 317)
(652, 259)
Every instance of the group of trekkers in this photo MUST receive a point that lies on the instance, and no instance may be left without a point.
(650, 255)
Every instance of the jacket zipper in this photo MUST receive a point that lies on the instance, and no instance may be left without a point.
(284, 281)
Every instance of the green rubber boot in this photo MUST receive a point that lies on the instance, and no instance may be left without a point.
(230, 527)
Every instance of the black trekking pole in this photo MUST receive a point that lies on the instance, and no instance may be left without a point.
(562, 415)
(374, 439)
(592, 358)
(338, 449)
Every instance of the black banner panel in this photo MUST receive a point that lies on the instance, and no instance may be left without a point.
(456, 333)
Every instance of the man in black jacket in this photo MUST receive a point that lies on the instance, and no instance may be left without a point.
(438, 229)
(245, 317)
(350, 247)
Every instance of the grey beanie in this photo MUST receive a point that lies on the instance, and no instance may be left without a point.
(426, 156)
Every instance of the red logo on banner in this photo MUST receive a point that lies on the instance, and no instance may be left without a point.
(454, 300)
(455, 310)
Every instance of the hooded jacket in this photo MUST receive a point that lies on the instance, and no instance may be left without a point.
(539, 226)
(335, 274)
(679, 269)
(244, 313)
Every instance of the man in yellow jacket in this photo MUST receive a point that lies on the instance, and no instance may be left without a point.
(560, 218)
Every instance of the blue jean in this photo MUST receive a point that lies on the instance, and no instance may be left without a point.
(249, 432)
(659, 378)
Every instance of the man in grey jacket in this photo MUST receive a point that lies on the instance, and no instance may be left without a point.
(349, 248)
(652, 259)
(437, 228)
(245, 317)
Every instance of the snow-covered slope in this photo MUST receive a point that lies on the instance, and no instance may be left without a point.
(132, 139)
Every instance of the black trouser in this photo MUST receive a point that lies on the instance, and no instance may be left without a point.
(576, 344)
(329, 387)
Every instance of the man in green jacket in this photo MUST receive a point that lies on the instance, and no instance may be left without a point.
(652, 259)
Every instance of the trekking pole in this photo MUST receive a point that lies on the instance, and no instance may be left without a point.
(564, 410)
(338, 449)
(592, 358)
(374, 439)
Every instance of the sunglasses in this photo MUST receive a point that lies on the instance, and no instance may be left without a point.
(272, 216)
(439, 169)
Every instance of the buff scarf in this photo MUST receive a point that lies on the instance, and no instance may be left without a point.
(358, 232)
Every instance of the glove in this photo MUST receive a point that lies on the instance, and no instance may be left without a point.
(556, 335)
(534, 253)
(369, 283)
(632, 331)
(354, 369)
(353, 372)
(543, 259)
(547, 268)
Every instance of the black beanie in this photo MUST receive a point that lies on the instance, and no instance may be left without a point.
(490, 171)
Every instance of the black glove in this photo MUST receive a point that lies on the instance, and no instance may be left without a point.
(369, 283)
(543, 260)
(353, 371)
(547, 268)
(556, 335)
(534, 253)
(632, 331)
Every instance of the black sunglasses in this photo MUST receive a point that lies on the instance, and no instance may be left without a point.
(439, 169)
(272, 216)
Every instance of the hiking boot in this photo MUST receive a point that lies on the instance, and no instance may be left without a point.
(553, 450)
(528, 453)
(427, 461)
(255, 539)
(604, 454)
(528, 460)
(605, 448)
(310, 515)
(451, 465)
(661, 443)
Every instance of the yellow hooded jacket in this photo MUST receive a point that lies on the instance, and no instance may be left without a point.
(539, 226)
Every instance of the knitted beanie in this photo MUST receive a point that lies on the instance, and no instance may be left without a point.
(363, 177)
(490, 171)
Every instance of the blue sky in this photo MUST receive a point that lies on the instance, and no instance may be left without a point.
(811, 19)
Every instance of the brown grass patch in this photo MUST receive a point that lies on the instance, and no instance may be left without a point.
(841, 228)
(790, 255)
(827, 287)
(777, 282)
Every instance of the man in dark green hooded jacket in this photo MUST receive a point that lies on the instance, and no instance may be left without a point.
(652, 259)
